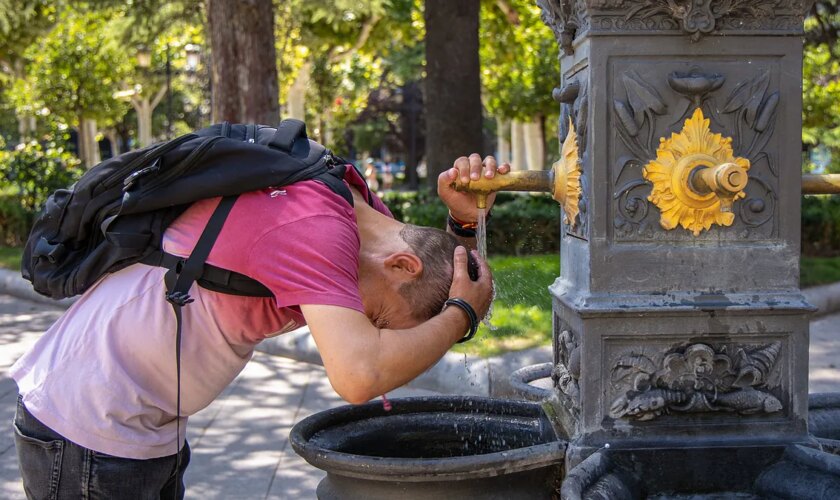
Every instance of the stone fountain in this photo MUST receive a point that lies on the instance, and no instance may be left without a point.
(680, 333)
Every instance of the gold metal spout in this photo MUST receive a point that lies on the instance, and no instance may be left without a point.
(726, 181)
(529, 180)
(821, 184)
(562, 181)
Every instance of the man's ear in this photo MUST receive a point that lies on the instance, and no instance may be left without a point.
(407, 265)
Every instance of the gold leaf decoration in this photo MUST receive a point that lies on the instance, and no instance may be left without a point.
(677, 159)
(571, 167)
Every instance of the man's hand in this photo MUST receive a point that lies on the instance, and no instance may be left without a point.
(479, 293)
(462, 206)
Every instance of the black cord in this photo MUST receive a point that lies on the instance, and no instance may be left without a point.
(471, 315)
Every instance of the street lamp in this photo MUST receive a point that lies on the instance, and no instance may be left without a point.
(144, 57)
(144, 61)
(193, 52)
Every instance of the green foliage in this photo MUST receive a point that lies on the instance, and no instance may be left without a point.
(9, 256)
(819, 271)
(518, 64)
(420, 208)
(821, 100)
(33, 172)
(821, 83)
(15, 223)
(75, 69)
(520, 223)
(521, 316)
(524, 224)
(21, 23)
(821, 225)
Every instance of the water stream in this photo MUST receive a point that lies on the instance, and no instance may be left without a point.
(481, 234)
(481, 247)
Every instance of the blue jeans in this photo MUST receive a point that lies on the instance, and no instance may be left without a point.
(54, 468)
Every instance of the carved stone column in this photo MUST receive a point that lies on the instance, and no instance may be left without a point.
(678, 319)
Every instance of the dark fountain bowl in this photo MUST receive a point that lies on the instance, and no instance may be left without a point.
(433, 447)
(533, 382)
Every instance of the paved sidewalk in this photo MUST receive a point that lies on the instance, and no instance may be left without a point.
(240, 442)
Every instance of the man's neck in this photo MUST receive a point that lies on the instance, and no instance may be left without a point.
(379, 234)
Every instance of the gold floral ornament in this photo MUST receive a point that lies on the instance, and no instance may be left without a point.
(696, 177)
(567, 170)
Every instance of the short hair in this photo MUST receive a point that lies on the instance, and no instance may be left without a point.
(435, 248)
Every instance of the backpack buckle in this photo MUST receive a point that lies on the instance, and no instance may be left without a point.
(179, 299)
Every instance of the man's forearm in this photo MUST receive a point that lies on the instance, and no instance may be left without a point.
(408, 353)
(363, 361)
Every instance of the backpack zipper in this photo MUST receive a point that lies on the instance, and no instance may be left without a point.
(158, 151)
(184, 165)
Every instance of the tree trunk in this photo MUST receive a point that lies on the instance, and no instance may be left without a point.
(412, 105)
(296, 103)
(453, 86)
(144, 123)
(534, 144)
(111, 134)
(26, 127)
(88, 147)
(518, 159)
(145, 106)
(502, 140)
(244, 63)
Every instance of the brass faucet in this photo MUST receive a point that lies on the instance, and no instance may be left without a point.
(821, 184)
(546, 181)
(726, 181)
(562, 180)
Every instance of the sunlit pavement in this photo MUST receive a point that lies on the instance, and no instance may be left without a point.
(240, 442)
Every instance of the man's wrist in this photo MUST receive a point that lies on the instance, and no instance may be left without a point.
(462, 228)
(469, 312)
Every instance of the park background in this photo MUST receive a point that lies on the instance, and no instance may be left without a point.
(401, 87)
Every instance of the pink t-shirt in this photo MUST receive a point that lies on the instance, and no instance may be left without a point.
(104, 374)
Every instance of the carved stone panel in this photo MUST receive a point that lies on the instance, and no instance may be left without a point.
(567, 364)
(571, 19)
(670, 381)
(742, 103)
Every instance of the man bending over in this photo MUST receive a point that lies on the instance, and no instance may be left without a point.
(97, 409)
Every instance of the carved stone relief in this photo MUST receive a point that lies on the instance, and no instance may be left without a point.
(655, 106)
(569, 19)
(566, 18)
(696, 378)
(566, 372)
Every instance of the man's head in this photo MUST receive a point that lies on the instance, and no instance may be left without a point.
(427, 292)
(405, 272)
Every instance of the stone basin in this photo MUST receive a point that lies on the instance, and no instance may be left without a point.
(433, 447)
(533, 382)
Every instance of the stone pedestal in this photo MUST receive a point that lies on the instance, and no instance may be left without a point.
(696, 334)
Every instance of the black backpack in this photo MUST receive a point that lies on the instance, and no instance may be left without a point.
(116, 214)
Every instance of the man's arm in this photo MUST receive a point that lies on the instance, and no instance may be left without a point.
(363, 361)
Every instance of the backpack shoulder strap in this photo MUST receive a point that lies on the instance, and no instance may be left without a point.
(185, 274)
(334, 179)
(179, 280)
